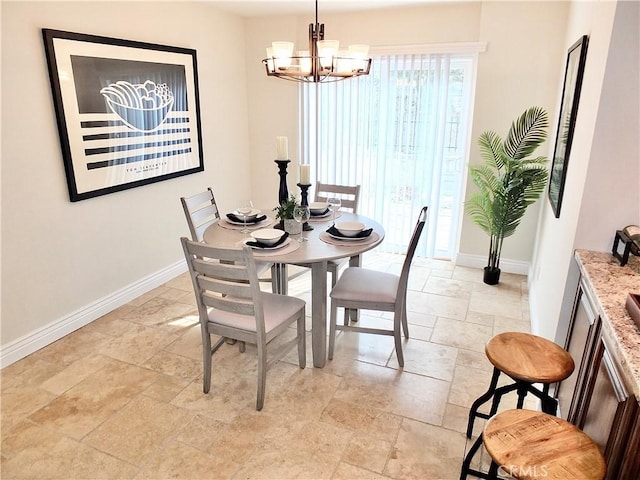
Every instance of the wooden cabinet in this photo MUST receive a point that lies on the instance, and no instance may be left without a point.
(608, 411)
(596, 397)
(584, 329)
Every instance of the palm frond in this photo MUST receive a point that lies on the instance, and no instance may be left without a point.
(527, 132)
(491, 149)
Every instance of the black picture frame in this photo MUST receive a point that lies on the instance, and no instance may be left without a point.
(128, 112)
(574, 71)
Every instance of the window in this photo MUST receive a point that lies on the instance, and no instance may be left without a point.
(402, 134)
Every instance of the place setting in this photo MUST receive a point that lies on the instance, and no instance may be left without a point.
(245, 219)
(320, 211)
(270, 241)
(348, 233)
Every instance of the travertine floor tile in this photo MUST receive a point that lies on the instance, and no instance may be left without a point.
(138, 429)
(461, 334)
(428, 359)
(425, 451)
(89, 403)
(438, 305)
(508, 305)
(178, 460)
(346, 471)
(44, 454)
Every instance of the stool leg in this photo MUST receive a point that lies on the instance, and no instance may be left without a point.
(473, 412)
(493, 470)
(522, 392)
(466, 463)
(549, 404)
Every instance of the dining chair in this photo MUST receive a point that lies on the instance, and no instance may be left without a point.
(201, 211)
(364, 289)
(231, 305)
(350, 197)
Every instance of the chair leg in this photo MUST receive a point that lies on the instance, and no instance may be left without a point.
(262, 374)
(206, 361)
(332, 328)
(397, 335)
(405, 322)
(302, 342)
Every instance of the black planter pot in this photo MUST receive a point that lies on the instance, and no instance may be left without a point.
(491, 275)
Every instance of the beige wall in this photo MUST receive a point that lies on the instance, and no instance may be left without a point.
(521, 68)
(601, 190)
(66, 262)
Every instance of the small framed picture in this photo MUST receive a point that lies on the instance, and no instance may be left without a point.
(128, 112)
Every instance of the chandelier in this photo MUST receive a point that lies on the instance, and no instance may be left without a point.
(322, 62)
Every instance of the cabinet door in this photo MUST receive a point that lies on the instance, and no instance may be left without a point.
(608, 411)
(580, 343)
(630, 468)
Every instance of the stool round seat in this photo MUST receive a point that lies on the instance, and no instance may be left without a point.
(529, 358)
(528, 444)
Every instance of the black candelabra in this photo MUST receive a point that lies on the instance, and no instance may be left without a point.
(283, 192)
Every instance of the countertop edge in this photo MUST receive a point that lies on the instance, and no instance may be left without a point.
(609, 285)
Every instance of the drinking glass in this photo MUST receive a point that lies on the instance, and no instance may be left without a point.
(334, 205)
(301, 214)
(245, 211)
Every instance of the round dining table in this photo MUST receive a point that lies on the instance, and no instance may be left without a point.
(319, 248)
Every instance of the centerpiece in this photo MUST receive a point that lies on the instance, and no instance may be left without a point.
(284, 213)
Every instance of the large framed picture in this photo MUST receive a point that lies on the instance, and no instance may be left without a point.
(574, 71)
(128, 112)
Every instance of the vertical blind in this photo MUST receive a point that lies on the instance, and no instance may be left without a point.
(402, 134)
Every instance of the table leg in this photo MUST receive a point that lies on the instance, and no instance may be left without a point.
(279, 270)
(319, 313)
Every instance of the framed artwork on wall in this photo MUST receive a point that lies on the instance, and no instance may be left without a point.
(128, 112)
(574, 71)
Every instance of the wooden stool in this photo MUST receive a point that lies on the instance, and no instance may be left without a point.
(526, 444)
(527, 359)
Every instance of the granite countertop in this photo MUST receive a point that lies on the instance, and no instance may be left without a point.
(610, 284)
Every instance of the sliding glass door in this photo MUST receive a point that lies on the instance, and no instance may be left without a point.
(402, 134)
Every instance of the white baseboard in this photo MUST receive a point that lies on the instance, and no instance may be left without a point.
(480, 261)
(33, 341)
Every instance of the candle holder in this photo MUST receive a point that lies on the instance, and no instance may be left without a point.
(304, 192)
(283, 192)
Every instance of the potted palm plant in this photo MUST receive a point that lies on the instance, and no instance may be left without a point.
(508, 181)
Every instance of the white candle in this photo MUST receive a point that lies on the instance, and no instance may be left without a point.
(305, 175)
(282, 148)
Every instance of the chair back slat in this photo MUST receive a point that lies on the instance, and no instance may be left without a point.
(200, 211)
(350, 195)
(229, 303)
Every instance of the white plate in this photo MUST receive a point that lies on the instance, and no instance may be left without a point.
(350, 239)
(249, 224)
(283, 244)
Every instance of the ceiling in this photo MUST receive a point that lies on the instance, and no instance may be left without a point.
(258, 8)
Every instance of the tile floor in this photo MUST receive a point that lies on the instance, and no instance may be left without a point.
(122, 397)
